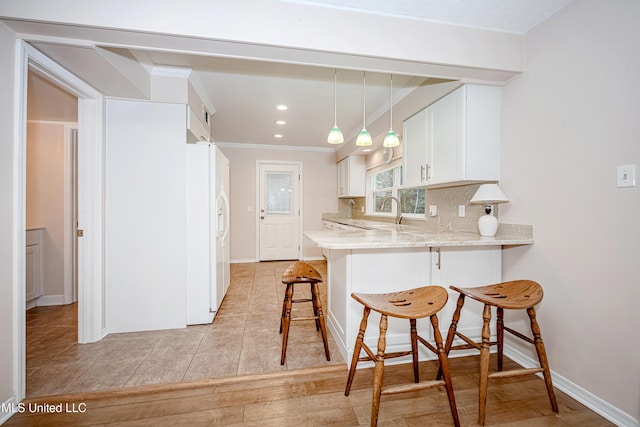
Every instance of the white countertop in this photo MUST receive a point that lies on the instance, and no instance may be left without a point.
(384, 235)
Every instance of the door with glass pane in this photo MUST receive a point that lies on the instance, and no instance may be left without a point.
(279, 219)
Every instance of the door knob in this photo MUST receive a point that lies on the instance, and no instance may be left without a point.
(262, 217)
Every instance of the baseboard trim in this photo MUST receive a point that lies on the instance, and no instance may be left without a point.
(46, 300)
(9, 408)
(242, 261)
(576, 392)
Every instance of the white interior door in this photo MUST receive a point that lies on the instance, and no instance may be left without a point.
(279, 216)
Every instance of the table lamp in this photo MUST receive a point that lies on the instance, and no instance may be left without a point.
(488, 194)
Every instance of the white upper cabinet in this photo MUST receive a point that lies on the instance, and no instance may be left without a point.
(351, 176)
(455, 140)
(414, 150)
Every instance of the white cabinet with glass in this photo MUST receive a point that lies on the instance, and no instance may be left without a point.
(455, 140)
(351, 176)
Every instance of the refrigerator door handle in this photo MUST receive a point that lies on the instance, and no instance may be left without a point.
(225, 231)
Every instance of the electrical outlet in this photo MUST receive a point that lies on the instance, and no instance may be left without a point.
(433, 210)
(461, 211)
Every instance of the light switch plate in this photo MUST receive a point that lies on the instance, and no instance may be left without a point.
(433, 210)
(626, 176)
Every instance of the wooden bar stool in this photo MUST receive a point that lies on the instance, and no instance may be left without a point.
(411, 304)
(301, 272)
(515, 295)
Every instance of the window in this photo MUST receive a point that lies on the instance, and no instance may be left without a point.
(388, 183)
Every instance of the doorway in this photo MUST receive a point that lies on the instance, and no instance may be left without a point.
(279, 204)
(90, 203)
(51, 191)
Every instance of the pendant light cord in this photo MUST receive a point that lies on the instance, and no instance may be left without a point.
(335, 97)
(391, 102)
(364, 99)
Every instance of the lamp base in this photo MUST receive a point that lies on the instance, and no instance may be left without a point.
(488, 225)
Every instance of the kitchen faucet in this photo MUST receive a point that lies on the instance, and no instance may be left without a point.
(398, 211)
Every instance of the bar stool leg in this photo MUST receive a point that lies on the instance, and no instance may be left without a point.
(500, 336)
(542, 358)
(484, 363)
(414, 350)
(314, 304)
(446, 373)
(452, 331)
(378, 371)
(284, 307)
(286, 322)
(357, 349)
(317, 308)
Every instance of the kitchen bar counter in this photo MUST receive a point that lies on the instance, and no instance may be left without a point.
(379, 257)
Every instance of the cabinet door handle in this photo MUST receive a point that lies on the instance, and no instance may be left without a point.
(438, 262)
(428, 172)
(421, 173)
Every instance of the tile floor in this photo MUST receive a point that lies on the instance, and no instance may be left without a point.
(243, 339)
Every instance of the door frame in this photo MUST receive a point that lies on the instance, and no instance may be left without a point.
(90, 202)
(259, 164)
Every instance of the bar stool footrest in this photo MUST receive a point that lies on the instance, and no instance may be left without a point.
(515, 372)
(412, 387)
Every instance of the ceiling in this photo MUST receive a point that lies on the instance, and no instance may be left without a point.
(244, 93)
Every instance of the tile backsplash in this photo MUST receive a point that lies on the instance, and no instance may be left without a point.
(446, 199)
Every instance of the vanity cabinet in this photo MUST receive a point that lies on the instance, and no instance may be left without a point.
(33, 273)
(455, 140)
(351, 176)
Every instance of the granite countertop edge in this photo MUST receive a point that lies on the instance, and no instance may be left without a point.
(384, 235)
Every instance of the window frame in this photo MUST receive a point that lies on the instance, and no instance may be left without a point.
(397, 178)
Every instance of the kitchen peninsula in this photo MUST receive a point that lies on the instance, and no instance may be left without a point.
(374, 257)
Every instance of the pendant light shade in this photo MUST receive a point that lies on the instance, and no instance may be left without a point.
(364, 138)
(335, 135)
(391, 139)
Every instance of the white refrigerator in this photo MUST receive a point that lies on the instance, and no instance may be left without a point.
(166, 220)
(207, 231)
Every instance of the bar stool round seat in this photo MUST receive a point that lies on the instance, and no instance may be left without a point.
(513, 295)
(411, 304)
(297, 273)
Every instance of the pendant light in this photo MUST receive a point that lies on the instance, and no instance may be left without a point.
(391, 139)
(364, 138)
(335, 136)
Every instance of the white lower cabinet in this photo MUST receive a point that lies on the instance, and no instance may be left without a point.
(389, 270)
(465, 267)
(33, 273)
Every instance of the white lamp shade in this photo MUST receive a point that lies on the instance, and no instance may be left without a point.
(364, 139)
(391, 140)
(489, 194)
(335, 136)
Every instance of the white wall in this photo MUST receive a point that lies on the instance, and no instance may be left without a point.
(45, 198)
(7, 214)
(568, 121)
(319, 194)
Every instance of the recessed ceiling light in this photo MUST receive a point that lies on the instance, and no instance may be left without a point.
(277, 135)
(281, 107)
(281, 122)
(366, 150)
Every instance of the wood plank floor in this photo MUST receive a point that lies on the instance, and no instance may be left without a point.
(314, 397)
